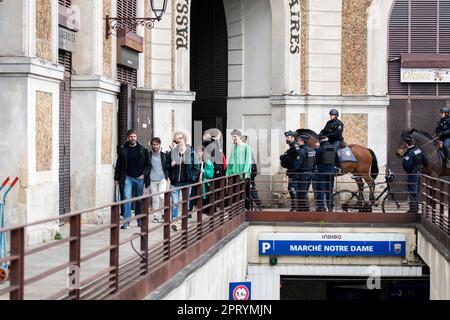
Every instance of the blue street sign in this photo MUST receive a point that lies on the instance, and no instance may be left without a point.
(332, 244)
(240, 290)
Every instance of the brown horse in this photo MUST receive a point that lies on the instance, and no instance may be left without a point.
(365, 168)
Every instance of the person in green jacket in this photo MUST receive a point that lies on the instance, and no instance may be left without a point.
(206, 173)
(240, 162)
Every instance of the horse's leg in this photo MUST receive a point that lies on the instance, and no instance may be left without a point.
(360, 184)
(371, 185)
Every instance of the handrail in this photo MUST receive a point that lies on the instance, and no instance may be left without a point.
(118, 273)
(159, 245)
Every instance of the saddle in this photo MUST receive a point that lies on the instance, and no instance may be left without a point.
(345, 154)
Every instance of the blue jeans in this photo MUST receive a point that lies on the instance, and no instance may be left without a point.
(175, 197)
(133, 187)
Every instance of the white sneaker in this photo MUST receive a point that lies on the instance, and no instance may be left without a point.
(157, 220)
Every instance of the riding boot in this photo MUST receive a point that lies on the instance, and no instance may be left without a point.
(337, 164)
(294, 200)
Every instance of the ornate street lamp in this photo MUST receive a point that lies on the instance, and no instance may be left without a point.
(128, 24)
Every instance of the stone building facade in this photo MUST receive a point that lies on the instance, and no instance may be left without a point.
(266, 66)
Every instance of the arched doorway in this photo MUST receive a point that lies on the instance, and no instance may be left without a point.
(208, 65)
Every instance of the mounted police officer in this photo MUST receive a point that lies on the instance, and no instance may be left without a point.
(291, 161)
(306, 170)
(333, 129)
(325, 159)
(443, 132)
(412, 164)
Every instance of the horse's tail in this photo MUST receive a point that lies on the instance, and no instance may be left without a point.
(374, 167)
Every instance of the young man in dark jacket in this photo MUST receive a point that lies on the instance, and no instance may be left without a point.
(132, 172)
(184, 169)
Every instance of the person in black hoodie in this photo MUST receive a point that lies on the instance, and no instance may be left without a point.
(132, 173)
(184, 169)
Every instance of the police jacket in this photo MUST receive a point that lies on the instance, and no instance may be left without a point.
(333, 130)
(308, 157)
(412, 160)
(443, 128)
(145, 165)
(291, 159)
(325, 156)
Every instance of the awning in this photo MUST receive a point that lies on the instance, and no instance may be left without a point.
(425, 60)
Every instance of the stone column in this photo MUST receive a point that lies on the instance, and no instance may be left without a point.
(29, 108)
(93, 137)
(94, 111)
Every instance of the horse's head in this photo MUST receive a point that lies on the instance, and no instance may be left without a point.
(401, 146)
(313, 136)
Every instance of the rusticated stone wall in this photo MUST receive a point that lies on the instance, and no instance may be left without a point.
(302, 120)
(107, 127)
(44, 44)
(303, 47)
(355, 128)
(107, 43)
(354, 47)
(44, 130)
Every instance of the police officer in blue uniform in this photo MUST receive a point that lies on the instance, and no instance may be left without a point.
(325, 157)
(443, 132)
(333, 129)
(306, 169)
(412, 164)
(291, 161)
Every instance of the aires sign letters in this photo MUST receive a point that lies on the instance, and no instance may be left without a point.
(294, 38)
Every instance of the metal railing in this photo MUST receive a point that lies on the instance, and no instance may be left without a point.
(390, 193)
(102, 270)
(103, 264)
(436, 208)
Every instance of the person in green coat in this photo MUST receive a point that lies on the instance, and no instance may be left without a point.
(240, 162)
(206, 173)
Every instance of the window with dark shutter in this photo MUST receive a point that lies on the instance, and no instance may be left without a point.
(65, 59)
(417, 26)
(65, 3)
(127, 75)
(127, 9)
(398, 43)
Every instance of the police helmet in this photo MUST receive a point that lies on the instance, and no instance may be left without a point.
(444, 110)
(303, 137)
(408, 140)
(334, 112)
(289, 133)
